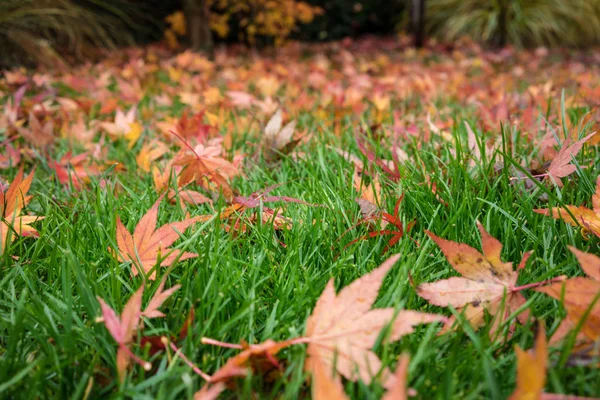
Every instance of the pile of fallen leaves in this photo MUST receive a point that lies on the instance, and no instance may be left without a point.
(196, 127)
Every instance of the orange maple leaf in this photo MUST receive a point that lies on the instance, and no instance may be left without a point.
(148, 245)
(579, 216)
(531, 369)
(580, 297)
(487, 283)
(12, 202)
(255, 356)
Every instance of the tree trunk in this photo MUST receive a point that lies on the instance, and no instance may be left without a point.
(418, 22)
(502, 24)
(198, 19)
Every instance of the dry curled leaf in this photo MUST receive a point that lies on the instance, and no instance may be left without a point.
(277, 140)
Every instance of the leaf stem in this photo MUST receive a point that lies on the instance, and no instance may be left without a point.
(536, 284)
(178, 353)
(214, 342)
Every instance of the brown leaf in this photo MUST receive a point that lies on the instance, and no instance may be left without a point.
(251, 357)
(276, 140)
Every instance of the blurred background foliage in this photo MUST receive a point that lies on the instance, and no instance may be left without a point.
(58, 32)
(519, 22)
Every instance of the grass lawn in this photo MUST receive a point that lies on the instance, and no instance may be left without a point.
(257, 276)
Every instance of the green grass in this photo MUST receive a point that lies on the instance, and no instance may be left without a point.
(250, 287)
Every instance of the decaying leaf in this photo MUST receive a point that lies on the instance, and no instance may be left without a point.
(369, 195)
(37, 134)
(148, 245)
(149, 153)
(343, 328)
(76, 170)
(487, 283)
(276, 140)
(240, 204)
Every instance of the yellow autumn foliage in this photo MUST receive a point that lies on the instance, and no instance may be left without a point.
(276, 19)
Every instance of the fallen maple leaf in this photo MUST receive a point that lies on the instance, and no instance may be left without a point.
(124, 126)
(187, 196)
(240, 204)
(561, 165)
(124, 328)
(390, 167)
(580, 297)
(156, 343)
(37, 134)
(75, 170)
(531, 372)
(12, 201)
(343, 329)
(11, 158)
(487, 283)
(385, 218)
(324, 385)
(253, 357)
(369, 195)
(399, 391)
(579, 216)
(277, 140)
(531, 369)
(148, 245)
(149, 153)
(151, 310)
(211, 173)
